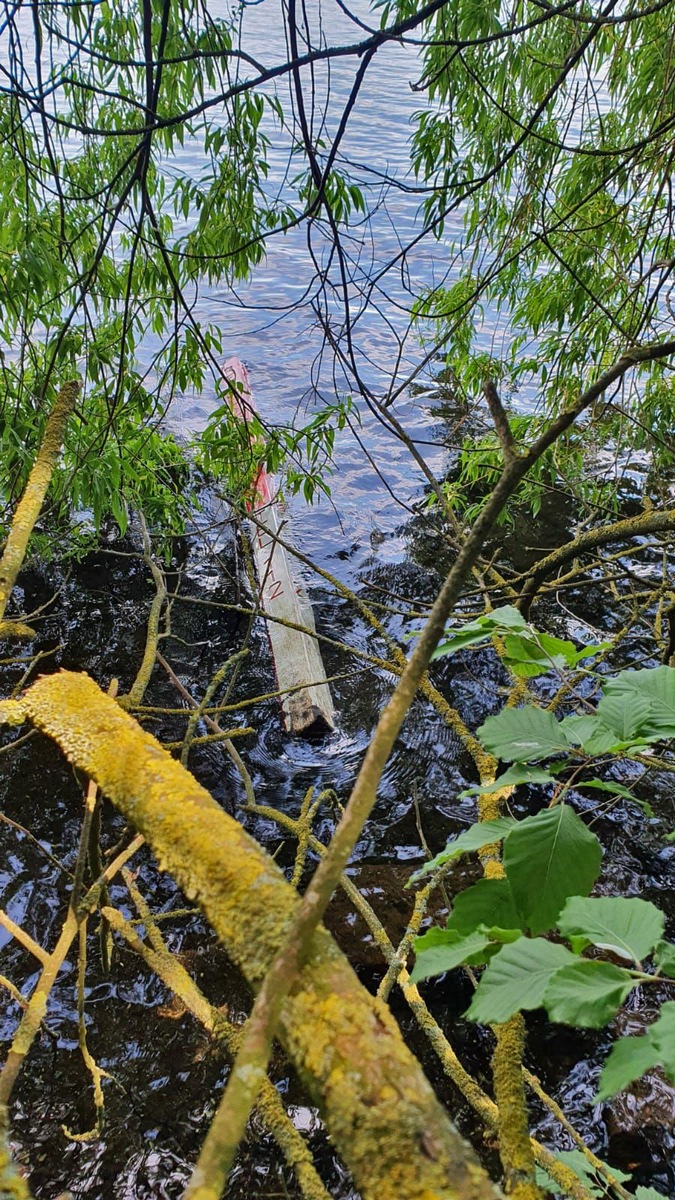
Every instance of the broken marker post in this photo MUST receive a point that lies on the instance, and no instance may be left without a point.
(307, 704)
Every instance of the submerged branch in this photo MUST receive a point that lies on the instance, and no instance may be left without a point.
(348, 1050)
(631, 527)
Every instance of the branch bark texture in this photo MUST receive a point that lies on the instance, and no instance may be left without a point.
(30, 504)
(381, 1112)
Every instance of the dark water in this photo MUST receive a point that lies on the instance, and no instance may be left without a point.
(165, 1074)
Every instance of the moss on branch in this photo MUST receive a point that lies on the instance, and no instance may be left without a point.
(30, 504)
(381, 1112)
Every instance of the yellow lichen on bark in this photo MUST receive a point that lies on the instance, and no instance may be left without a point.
(381, 1112)
(16, 629)
(514, 1137)
(13, 1186)
(30, 504)
(515, 1146)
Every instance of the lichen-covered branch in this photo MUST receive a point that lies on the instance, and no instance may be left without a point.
(380, 1110)
(36, 1008)
(167, 967)
(515, 1147)
(140, 684)
(14, 992)
(619, 531)
(34, 1012)
(24, 938)
(218, 732)
(30, 504)
(97, 1073)
(13, 1186)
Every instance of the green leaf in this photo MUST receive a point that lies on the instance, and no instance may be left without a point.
(577, 1162)
(497, 934)
(483, 833)
(590, 733)
(563, 650)
(632, 1056)
(534, 653)
(629, 928)
(518, 773)
(523, 734)
(436, 952)
(587, 993)
(579, 729)
(615, 789)
(627, 1060)
(657, 685)
(603, 741)
(525, 656)
(508, 617)
(548, 858)
(664, 959)
(488, 902)
(662, 1034)
(459, 640)
(648, 1193)
(624, 713)
(480, 630)
(517, 979)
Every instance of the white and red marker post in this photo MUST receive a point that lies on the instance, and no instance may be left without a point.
(306, 702)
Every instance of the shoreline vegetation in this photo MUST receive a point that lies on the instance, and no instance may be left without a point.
(545, 672)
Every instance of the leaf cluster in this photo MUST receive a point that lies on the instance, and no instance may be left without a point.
(551, 863)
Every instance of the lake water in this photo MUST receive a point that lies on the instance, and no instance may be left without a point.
(270, 322)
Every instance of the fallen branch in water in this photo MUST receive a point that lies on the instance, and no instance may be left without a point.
(380, 1110)
(631, 527)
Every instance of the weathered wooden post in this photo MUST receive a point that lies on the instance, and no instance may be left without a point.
(307, 704)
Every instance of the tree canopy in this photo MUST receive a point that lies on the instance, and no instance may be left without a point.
(541, 154)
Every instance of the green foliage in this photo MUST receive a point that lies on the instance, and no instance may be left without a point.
(488, 902)
(664, 958)
(517, 979)
(587, 993)
(548, 858)
(236, 450)
(655, 686)
(632, 1056)
(106, 230)
(596, 1184)
(527, 651)
(636, 708)
(524, 734)
(563, 468)
(567, 228)
(440, 951)
(474, 838)
(628, 928)
(518, 773)
(551, 862)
